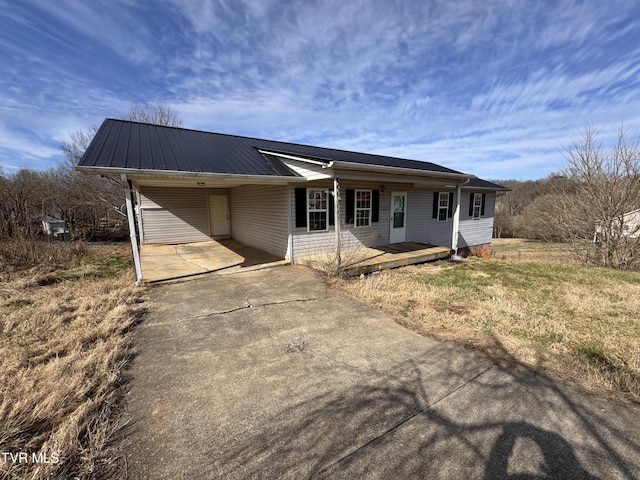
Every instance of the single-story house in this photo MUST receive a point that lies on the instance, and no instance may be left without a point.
(287, 199)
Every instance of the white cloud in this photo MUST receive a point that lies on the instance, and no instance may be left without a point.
(472, 85)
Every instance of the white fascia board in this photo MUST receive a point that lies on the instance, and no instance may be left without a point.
(181, 174)
(400, 170)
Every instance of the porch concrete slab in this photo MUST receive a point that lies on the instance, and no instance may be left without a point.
(270, 374)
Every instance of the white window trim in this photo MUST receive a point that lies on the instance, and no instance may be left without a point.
(309, 211)
(355, 208)
(477, 204)
(445, 208)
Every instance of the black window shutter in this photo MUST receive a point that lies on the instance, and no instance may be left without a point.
(332, 210)
(375, 206)
(450, 204)
(301, 207)
(436, 202)
(350, 206)
(484, 198)
(471, 197)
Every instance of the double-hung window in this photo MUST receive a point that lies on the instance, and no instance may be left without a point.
(363, 208)
(317, 209)
(477, 206)
(443, 206)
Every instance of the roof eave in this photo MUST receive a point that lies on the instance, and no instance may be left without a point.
(178, 173)
(398, 170)
(488, 189)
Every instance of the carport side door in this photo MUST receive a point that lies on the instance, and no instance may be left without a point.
(219, 223)
(398, 220)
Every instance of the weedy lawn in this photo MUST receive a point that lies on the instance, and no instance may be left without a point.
(530, 306)
(66, 313)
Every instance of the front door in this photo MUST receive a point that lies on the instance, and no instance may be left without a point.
(398, 230)
(219, 223)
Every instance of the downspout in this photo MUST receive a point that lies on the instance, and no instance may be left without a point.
(132, 226)
(456, 221)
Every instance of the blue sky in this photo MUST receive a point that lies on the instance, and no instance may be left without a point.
(495, 89)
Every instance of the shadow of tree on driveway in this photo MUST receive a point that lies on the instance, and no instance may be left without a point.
(511, 424)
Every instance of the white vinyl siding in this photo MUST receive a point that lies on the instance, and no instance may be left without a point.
(174, 215)
(259, 217)
(310, 243)
(421, 226)
(307, 170)
(478, 231)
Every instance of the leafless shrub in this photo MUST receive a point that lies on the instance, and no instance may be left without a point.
(597, 189)
(334, 263)
(24, 254)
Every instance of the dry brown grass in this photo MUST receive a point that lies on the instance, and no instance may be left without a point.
(530, 306)
(65, 340)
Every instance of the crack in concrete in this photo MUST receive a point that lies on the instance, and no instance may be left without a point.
(232, 310)
(399, 424)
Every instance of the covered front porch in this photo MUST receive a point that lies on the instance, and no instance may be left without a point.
(372, 259)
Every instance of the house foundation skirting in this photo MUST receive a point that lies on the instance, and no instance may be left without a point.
(483, 251)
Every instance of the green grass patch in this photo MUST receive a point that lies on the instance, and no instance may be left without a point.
(545, 340)
(578, 322)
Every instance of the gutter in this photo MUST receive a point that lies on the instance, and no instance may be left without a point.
(401, 170)
(183, 174)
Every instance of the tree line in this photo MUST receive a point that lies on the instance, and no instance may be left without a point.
(91, 206)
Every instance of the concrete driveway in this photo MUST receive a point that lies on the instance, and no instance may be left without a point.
(269, 374)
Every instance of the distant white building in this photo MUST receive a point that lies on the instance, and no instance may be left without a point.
(631, 223)
(54, 226)
(628, 225)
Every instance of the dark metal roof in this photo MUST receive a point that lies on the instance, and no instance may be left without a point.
(121, 144)
(484, 185)
(127, 145)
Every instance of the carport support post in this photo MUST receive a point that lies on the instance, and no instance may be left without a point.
(336, 217)
(132, 227)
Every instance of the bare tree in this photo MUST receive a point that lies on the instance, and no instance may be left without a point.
(597, 188)
(156, 115)
(91, 200)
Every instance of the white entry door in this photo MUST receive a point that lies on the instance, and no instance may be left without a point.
(219, 223)
(398, 230)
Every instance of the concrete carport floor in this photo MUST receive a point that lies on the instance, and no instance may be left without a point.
(161, 263)
(269, 374)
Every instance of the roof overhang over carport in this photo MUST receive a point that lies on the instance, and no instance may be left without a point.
(170, 178)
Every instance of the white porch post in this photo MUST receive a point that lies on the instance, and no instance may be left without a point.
(132, 227)
(456, 219)
(336, 216)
